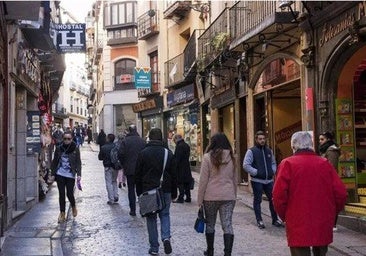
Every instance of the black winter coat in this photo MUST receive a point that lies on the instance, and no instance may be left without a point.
(74, 158)
(105, 154)
(181, 155)
(130, 148)
(149, 168)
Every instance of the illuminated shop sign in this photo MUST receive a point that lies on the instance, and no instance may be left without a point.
(180, 95)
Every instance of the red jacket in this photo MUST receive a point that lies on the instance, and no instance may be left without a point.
(307, 195)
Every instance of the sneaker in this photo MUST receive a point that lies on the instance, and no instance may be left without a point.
(132, 213)
(335, 229)
(116, 199)
(278, 224)
(120, 185)
(188, 200)
(74, 211)
(167, 246)
(179, 201)
(260, 224)
(61, 217)
(152, 252)
(111, 202)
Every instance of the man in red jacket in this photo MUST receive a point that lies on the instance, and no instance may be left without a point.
(307, 195)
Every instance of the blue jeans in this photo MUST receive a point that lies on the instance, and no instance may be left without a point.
(258, 189)
(152, 227)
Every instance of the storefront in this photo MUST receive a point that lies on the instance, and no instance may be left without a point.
(183, 118)
(150, 114)
(342, 100)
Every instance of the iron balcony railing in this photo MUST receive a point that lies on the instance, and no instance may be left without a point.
(213, 41)
(175, 70)
(148, 25)
(191, 51)
(250, 16)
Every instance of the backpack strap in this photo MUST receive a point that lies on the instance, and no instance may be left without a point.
(164, 164)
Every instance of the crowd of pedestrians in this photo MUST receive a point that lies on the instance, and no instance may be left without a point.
(296, 189)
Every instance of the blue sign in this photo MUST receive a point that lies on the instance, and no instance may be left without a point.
(181, 95)
(142, 78)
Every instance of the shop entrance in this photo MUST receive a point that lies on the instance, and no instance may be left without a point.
(277, 108)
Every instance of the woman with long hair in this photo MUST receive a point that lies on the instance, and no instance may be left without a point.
(217, 190)
(66, 164)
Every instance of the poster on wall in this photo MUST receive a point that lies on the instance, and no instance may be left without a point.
(33, 139)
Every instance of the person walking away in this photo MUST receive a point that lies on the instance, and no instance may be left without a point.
(78, 135)
(308, 187)
(110, 174)
(184, 174)
(101, 139)
(329, 150)
(260, 163)
(66, 164)
(89, 133)
(217, 190)
(149, 169)
(131, 146)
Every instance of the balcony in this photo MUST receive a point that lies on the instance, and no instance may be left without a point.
(58, 110)
(175, 70)
(148, 25)
(191, 53)
(213, 41)
(177, 9)
(123, 34)
(98, 51)
(263, 24)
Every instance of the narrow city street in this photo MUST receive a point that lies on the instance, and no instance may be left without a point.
(102, 229)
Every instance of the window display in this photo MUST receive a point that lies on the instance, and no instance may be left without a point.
(148, 123)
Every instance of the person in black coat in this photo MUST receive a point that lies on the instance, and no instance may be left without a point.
(66, 164)
(149, 170)
(130, 147)
(101, 139)
(184, 174)
(110, 173)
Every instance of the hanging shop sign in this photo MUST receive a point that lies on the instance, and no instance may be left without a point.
(142, 77)
(28, 65)
(181, 95)
(144, 105)
(70, 37)
(33, 140)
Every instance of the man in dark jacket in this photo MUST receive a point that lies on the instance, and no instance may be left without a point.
(110, 174)
(260, 163)
(149, 169)
(130, 147)
(184, 174)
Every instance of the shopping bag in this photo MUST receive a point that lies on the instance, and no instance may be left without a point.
(151, 202)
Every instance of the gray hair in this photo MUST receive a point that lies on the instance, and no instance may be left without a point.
(301, 140)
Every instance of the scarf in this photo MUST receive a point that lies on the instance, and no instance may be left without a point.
(323, 148)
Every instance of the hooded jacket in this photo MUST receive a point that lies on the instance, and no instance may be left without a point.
(217, 184)
(330, 151)
(73, 152)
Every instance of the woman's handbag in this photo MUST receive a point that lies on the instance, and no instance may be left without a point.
(153, 201)
(199, 225)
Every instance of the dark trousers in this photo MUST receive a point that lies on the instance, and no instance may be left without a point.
(131, 192)
(258, 189)
(68, 184)
(305, 251)
(184, 189)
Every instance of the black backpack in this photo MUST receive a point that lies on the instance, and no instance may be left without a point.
(114, 156)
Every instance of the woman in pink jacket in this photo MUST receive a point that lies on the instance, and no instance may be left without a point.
(307, 195)
(217, 190)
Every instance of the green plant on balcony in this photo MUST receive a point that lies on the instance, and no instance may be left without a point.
(219, 41)
(200, 61)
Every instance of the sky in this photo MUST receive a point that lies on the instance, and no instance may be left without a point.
(78, 8)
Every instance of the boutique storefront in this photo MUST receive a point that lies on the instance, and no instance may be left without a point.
(183, 118)
(342, 96)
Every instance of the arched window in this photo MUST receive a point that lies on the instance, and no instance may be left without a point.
(124, 78)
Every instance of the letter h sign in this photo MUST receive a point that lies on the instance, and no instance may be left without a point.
(71, 38)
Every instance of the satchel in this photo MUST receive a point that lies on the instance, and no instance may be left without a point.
(153, 201)
(199, 224)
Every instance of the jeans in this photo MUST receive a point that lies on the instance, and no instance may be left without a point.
(110, 176)
(258, 189)
(69, 184)
(152, 227)
(131, 192)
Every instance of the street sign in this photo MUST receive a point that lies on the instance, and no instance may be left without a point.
(142, 77)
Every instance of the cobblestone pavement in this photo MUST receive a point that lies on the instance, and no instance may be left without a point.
(101, 229)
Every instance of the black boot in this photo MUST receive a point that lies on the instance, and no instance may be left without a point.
(210, 237)
(228, 242)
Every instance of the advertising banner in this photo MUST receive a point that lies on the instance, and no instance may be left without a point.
(33, 139)
(142, 77)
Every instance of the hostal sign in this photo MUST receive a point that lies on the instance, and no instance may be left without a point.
(70, 37)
